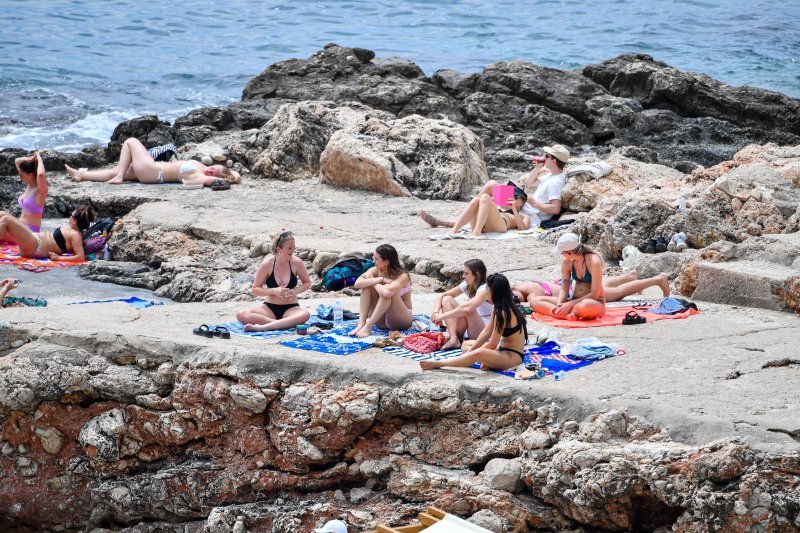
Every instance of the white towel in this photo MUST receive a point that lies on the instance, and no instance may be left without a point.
(596, 170)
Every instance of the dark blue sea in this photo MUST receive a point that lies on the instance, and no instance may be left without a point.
(71, 70)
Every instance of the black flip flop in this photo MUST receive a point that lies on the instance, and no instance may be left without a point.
(220, 185)
(203, 331)
(633, 318)
(221, 332)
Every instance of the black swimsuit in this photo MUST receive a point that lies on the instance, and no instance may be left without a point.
(507, 332)
(61, 242)
(280, 309)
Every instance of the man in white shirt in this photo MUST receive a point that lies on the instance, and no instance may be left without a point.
(546, 179)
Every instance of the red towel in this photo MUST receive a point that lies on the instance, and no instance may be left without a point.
(613, 317)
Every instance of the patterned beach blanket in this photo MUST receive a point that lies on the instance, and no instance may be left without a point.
(9, 255)
(237, 328)
(613, 317)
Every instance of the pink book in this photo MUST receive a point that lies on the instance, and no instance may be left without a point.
(502, 194)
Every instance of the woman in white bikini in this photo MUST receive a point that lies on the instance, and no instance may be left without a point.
(135, 164)
(385, 294)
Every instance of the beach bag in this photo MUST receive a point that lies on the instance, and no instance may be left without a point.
(164, 152)
(425, 342)
(344, 273)
(95, 238)
(24, 301)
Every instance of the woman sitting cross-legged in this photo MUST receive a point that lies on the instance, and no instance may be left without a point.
(385, 294)
(135, 164)
(627, 285)
(469, 317)
(587, 299)
(46, 245)
(276, 281)
(501, 344)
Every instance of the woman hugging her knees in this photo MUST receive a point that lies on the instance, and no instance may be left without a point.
(277, 282)
(470, 317)
(385, 294)
(501, 344)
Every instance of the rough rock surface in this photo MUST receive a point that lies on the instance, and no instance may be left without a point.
(413, 155)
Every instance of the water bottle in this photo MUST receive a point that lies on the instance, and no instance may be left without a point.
(682, 202)
(338, 314)
(106, 253)
(560, 375)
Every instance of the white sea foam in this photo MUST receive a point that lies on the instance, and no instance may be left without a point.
(91, 129)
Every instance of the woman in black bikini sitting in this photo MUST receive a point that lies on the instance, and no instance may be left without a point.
(276, 280)
(501, 343)
(46, 245)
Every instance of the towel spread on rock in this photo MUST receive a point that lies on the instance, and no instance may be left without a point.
(237, 328)
(503, 235)
(139, 303)
(9, 255)
(595, 170)
(24, 301)
(613, 317)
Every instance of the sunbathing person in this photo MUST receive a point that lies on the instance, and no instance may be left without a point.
(135, 164)
(470, 317)
(31, 201)
(45, 245)
(385, 294)
(587, 299)
(546, 180)
(501, 343)
(276, 281)
(526, 291)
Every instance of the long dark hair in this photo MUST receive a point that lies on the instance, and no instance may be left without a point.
(29, 166)
(478, 269)
(503, 301)
(84, 216)
(389, 253)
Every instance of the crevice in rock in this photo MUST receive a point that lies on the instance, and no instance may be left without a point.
(650, 513)
(478, 467)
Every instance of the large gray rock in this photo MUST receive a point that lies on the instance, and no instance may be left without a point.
(503, 474)
(149, 129)
(413, 155)
(289, 145)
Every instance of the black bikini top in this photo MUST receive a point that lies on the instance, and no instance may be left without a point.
(61, 242)
(271, 282)
(507, 332)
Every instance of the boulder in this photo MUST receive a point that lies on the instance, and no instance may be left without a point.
(413, 155)
(341, 74)
(657, 85)
(148, 129)
(503, 474)
(288, 147)
(238, 115)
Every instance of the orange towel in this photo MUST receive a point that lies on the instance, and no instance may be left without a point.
(613, 317)
(9, 255)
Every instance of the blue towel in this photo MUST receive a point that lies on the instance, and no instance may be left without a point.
(237, 328)
(138, 303)
(325, 343)
(672, 306)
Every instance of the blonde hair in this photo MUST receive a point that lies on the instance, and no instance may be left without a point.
(279, 239)
(228, 174)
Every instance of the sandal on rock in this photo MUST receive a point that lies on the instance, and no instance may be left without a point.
(221, 332)
(203, 331)
(30, 267)
(633, 318)
(220, 185)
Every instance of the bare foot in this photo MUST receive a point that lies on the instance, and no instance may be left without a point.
(430, 365)
(74, 173)
(364, 332)
(474, 236)
(451, 344)
(116, 180)
(429, 219)
(355, 330)
(663, 283)
(256, 327)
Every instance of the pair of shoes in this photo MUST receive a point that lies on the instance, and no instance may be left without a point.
(204, 331)
(220, 185)
(31, 267)
(656, 246)
(678, 243)
(385, 342)
(633, 318)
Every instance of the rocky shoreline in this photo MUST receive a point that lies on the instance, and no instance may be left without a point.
(126, 422)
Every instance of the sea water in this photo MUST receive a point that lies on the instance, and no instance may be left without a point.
(71, 70)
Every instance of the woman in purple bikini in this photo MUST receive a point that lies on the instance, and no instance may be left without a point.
(31, 201)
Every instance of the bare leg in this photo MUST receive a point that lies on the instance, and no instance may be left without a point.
(455, 326)
(475, 324)
(587, 310)
(144, 167)
(466, 215)
(434, 222)
(381, 306)
(488, 188)
(487, 217)
(490, 358)
(91, 175)
(616, 281)
(543, 304)
(24, 237)
(398, 315)
(256, 315)
(365, 306)
(292, 317)
(614, 294)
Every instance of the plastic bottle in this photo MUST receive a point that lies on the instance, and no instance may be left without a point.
(682, 202)
(560, 375)
(338, 313)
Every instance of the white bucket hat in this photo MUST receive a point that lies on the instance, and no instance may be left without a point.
(332, 526)
(567, 243)
(559, 151)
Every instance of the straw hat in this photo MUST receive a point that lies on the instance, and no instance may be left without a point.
(559, 151)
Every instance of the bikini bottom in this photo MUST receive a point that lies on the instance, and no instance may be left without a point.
(279, 309)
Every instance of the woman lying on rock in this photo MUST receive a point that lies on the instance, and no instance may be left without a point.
(31, 201)
(45, 245)
(385, 294)
(501, 343)
(277, 282)
(470, 317)
(135, 164)
(527, 291)
(546, 180)
(587, 299)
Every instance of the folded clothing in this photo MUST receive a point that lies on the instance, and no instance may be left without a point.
(425, 342)
(325, 312)
(672, 306)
